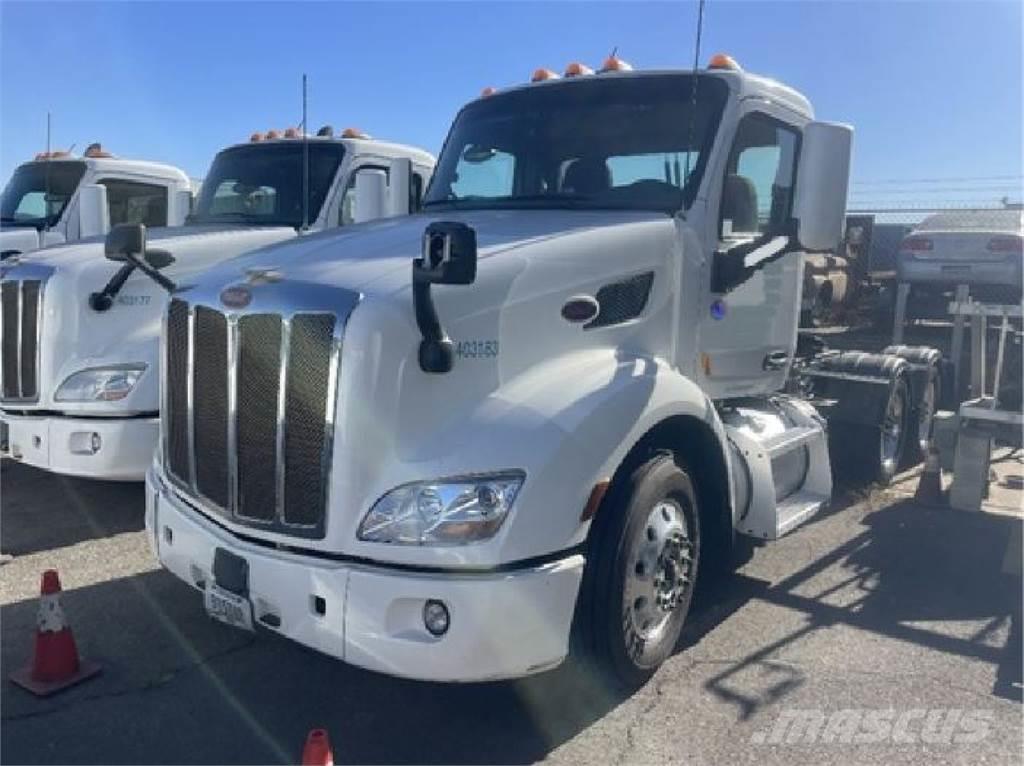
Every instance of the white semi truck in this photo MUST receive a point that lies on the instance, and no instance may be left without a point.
(454, 445)
(79, 334)
(58, 198)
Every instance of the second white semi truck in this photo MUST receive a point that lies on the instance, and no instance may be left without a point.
(79, 334)
(529, 419)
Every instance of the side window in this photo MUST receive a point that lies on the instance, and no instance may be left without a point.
(483, 172)
(136, 202)
(757, 194)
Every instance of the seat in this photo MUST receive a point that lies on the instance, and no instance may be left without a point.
(739, 203)
(587, 176)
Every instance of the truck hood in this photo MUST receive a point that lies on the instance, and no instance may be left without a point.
(75, 337)
(376, 257)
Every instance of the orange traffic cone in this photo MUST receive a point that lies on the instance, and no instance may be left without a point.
(55, 664)
(929, 488)
(317, 751)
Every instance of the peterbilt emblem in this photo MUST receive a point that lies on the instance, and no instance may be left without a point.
(236, 296)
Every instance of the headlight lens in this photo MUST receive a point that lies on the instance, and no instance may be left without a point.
(100, 384)
(446, 512)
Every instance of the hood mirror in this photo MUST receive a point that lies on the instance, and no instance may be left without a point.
(449, 258)
(126, 244)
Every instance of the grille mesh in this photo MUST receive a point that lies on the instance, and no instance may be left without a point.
(259, 361)
(29, 338)
(176, 414)
(210, 405)
(305, 413)
(256, 484)
(9, 307)
(19, 351)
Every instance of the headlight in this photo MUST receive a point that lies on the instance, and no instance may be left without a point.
(100, 384)
(446, 512)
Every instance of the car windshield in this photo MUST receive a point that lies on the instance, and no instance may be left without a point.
(262, 183)
(599, 142)
(38, 192)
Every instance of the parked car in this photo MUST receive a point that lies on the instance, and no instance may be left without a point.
(983, 249)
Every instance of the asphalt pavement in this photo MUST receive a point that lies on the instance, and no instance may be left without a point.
(879, 607)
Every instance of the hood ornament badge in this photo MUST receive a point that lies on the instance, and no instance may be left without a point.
(268, 276)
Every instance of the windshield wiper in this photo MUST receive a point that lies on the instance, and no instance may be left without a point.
(556, 200)
(238, 217)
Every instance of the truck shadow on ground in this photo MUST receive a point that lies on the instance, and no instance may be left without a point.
(912, 568)
(76, 509)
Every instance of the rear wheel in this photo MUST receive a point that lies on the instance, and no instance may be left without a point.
(639, 580)
(874, 452)
(921, 424)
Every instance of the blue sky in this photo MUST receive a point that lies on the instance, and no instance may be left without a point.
(933, 89)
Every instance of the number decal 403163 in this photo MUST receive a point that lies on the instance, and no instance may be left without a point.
(476, 349)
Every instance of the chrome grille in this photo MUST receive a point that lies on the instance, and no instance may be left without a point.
(249, 411)
(20, 325)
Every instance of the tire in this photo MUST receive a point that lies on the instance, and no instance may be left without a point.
(640, 574)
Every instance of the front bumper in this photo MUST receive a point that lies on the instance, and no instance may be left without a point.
(117, 449)
(503, 624)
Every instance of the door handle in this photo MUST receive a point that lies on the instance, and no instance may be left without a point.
(775, 360)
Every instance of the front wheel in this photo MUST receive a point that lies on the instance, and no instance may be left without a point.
(637, 588)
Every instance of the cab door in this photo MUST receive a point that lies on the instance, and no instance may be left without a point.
(748, 337)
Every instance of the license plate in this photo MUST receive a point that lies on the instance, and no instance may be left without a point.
(956, 269)
(228, 607)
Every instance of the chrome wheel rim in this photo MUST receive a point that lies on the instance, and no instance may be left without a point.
(892, 430)
(925, 416)
(658, 571)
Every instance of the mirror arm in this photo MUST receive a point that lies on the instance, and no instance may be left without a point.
(104, 299)
(436, 353)
(152, 273)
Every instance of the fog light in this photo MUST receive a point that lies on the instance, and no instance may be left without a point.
(85, 443)
(435, 618)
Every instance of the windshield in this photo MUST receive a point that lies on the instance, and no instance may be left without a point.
(262, 183)
(599, 142)
(38, 192)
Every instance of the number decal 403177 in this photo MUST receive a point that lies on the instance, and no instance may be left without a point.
(476, 349)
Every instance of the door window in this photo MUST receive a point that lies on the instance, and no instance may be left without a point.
(136, 202)
(757, 195)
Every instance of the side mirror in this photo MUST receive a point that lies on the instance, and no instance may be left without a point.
(93, 213)
(371, 194)
(181, 206)
(819, 203)
(449, 258)
(399, 179)
(124, 240)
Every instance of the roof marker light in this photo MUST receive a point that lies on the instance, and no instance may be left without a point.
(94, 150)
(326, 132)
(292, 133)
(256, 137)
(575, 69)
(723, 61)
(615, 64)
(272, 135)
(488, 91)
(354, 133)
(542, 74)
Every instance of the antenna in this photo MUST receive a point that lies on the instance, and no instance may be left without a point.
(46, 192)
(693, 90)
(305, 159)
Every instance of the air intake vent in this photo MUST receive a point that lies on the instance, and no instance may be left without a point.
(622, 301)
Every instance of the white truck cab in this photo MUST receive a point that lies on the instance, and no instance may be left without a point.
(79, 377)
(442, 446)
(58, 198)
